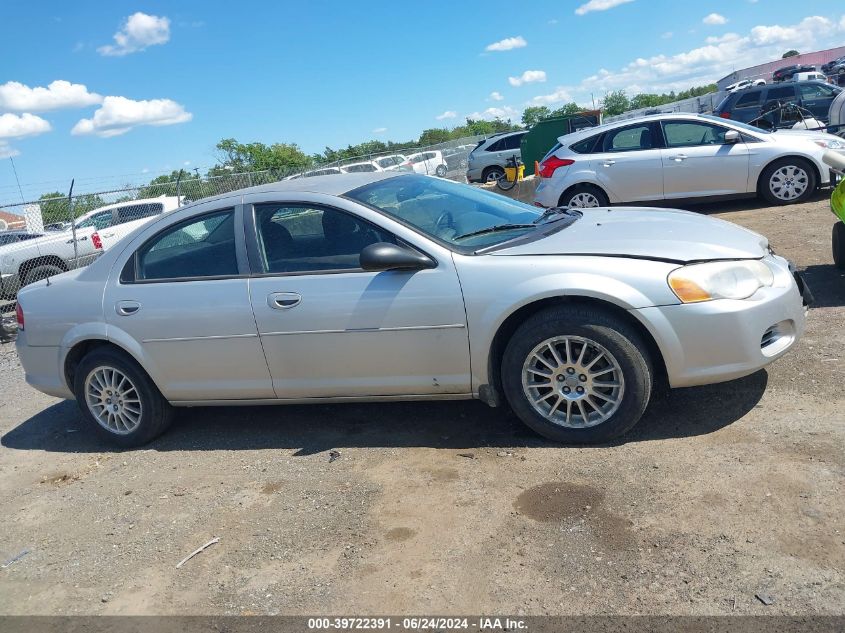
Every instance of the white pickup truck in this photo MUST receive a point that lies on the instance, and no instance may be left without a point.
(25, 262)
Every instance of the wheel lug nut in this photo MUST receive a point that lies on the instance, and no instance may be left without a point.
(566, 390)
(570, 371)
(559, 378)
(582, 378)
(580, 390)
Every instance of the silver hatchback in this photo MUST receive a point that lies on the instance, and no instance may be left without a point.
(391, 286)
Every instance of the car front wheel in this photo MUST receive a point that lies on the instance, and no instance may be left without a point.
(576, 374)
(118, 399)
(787, 181)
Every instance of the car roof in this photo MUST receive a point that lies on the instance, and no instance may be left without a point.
(586, 132)
(332, 184)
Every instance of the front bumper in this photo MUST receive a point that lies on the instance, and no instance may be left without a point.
(721, 340)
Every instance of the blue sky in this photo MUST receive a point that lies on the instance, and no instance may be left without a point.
(332, 73)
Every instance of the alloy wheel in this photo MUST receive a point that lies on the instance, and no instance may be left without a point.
(113, 400)
(789, 182)
(583, 200)
(573, 381)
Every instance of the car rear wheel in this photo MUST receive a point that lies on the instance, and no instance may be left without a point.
(577, 374)
(492, 174)
(787, 181)
(119, 400)
(838, 244)
(584, 197)
(440, 171)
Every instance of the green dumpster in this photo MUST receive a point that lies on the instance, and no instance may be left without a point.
(543, 135)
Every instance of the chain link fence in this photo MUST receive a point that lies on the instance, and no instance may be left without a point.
(45, 237)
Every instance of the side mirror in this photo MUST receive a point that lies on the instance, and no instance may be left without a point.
(732, 137)
(385, 256)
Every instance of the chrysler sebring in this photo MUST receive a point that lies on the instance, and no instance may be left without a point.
(391, 286)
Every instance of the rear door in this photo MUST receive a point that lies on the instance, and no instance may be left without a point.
(697, 161)
(181, 301)
(628, 162)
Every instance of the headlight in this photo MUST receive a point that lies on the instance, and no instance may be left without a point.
(831, 143)
(720, 280)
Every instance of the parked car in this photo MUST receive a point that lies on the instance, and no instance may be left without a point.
(15, 236)
(745, 83)
(395, 286)
(430, 162)
(392, 162)
(456, 158)
(486, 163)
(747, 105)
(682, 156)
(829, 67)
(785, 73)
(55, 252)
(362, 167)
(809, 76)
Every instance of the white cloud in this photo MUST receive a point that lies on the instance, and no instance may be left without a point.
(528, 77)
(186, 163)
(599, 5)
(6, 151)
(667, 35)
(380, 130)
(449, 114)
(17, 97)
(714, 19)
(19, 126)
(496, 96)
(712, 61)
(489, 114)
(118, 115)
(553, 21)
(138, 32)
(560, 95)
(507, 44)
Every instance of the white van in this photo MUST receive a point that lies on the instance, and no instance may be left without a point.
(814, 75)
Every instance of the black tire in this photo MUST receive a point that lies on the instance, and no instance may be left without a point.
(440, 171)
(40, 272)
(763, 185)
(838, 245)
(492, 174)
(615, 335)
(568, 195)
(156, 412)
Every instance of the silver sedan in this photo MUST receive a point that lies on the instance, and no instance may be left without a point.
(393, 286)
(676, 157)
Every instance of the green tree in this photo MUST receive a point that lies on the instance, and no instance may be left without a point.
(568, 109)
(54, 207)
(616, 102)
(534, 114)
(242, 157)
(790, 53)
(434, 136)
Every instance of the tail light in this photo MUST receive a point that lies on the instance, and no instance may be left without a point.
(725, 115)
(548, 166)
(97, 242)
(19, 316)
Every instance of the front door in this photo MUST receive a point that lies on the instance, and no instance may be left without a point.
(628, 163)
(331, 329)
(182, 302)
(697, 161)
(817, 97)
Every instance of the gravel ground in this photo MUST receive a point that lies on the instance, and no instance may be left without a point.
(721, 494)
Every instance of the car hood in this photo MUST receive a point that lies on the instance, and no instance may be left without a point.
(658, 234)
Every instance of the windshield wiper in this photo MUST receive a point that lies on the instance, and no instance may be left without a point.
(495, 229)
(551, 211)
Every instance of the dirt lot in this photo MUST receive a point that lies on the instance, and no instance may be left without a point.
(721, 493)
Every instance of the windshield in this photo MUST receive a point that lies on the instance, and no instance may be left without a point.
(449, 212)
(740, 125)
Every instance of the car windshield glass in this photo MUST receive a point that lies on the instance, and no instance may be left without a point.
(742, 126)
(457, 214)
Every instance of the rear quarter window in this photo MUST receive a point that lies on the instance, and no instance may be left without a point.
(587, 146)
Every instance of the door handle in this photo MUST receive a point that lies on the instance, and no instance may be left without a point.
(107, 235)
(609, 163)
(127, 308)
(283, 300)
(679, 158)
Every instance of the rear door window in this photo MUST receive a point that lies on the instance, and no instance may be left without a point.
(629, 139)
(749, 99)
(781, 93)
(199, 247)
(138, 211)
